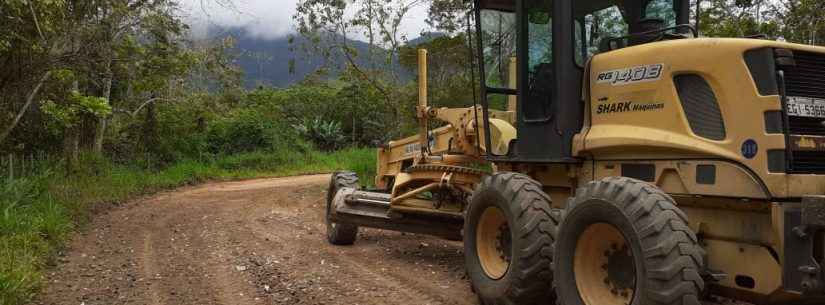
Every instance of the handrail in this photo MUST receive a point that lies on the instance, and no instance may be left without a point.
(678, 26)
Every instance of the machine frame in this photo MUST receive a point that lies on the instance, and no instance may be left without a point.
(706, 128)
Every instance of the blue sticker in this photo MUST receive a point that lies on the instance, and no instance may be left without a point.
(749, 148)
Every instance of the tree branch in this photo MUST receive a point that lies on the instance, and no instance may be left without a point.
(28, 104)
(147, 102)
(36, 23)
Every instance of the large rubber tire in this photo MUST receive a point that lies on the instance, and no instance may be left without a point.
(664, 251)
(340, 233)
(532, 225)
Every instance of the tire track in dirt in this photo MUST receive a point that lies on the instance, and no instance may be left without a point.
(249, 242)
(150, 268)
(401, 288)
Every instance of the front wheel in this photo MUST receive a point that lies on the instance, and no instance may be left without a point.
(624, 242)
(509, 233)
(340, 233)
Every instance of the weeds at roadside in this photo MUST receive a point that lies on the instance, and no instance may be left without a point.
(38, 212)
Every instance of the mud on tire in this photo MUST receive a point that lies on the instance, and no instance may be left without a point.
(531, 224)
(663, 250)
(340, 233)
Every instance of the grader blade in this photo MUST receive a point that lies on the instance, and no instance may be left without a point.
(373, 210)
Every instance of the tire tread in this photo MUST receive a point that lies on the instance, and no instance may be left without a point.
(537, 224)
(342, 233)
(668, 244)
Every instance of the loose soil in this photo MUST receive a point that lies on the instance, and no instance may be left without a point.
(249, 242)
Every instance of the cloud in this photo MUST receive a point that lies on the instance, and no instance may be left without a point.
(266, 19)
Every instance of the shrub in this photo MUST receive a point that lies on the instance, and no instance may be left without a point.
(326, 135)
(247, 131)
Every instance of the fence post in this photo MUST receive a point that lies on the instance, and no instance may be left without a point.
(11, 167)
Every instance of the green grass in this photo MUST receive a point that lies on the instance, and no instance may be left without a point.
(38, 213)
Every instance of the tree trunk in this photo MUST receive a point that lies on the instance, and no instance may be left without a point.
(71, 144)
(29, 101)
(150, 130)
(103, 122)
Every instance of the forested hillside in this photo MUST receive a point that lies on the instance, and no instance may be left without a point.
(105, 100)
(279, 62)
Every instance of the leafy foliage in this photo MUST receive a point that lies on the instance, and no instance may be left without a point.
(76, 107)
(327, 135)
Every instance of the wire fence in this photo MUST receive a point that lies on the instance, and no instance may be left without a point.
(21, 166)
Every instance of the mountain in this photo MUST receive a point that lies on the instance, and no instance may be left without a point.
(266, 62)
(425, 37)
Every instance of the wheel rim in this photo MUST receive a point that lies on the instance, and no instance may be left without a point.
(604, 268)
(493, 243)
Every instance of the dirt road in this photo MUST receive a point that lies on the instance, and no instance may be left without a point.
(249, 242)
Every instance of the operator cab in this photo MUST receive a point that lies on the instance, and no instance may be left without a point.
(551, 42)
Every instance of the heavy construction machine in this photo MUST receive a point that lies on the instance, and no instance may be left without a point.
(615, 157)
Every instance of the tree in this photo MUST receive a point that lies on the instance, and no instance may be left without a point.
(29, 38)
(449, 15)
(797, 21)
(114, 27)
(329, 26)
(737, 18)
(449, 68)
(801, 20)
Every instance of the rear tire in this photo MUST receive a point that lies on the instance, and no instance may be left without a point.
(340, 233)
(624, 241)
(509, 235)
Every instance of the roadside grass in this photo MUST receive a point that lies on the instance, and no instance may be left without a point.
(39, 212)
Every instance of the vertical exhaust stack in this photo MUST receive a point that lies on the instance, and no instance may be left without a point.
(422, 109)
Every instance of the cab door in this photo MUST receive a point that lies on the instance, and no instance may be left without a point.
(548, 87)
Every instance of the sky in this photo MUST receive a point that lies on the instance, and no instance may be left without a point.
(268, 19)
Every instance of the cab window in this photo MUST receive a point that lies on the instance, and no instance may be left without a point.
(498, 38)
(537, 103)
(595, 25)
(661, 9)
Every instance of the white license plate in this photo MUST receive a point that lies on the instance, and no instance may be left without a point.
(806, 106)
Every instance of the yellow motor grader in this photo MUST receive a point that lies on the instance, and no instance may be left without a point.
(615, 158)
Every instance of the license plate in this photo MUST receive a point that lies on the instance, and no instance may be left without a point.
(806, 106)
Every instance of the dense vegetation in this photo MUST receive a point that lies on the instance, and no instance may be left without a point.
(104, 100)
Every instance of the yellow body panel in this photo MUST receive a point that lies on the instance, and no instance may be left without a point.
(665, 133)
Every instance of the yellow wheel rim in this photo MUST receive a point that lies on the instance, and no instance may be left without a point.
(493, 243)
(603, 264)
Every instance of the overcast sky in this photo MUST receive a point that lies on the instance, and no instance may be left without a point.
(268, 19)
